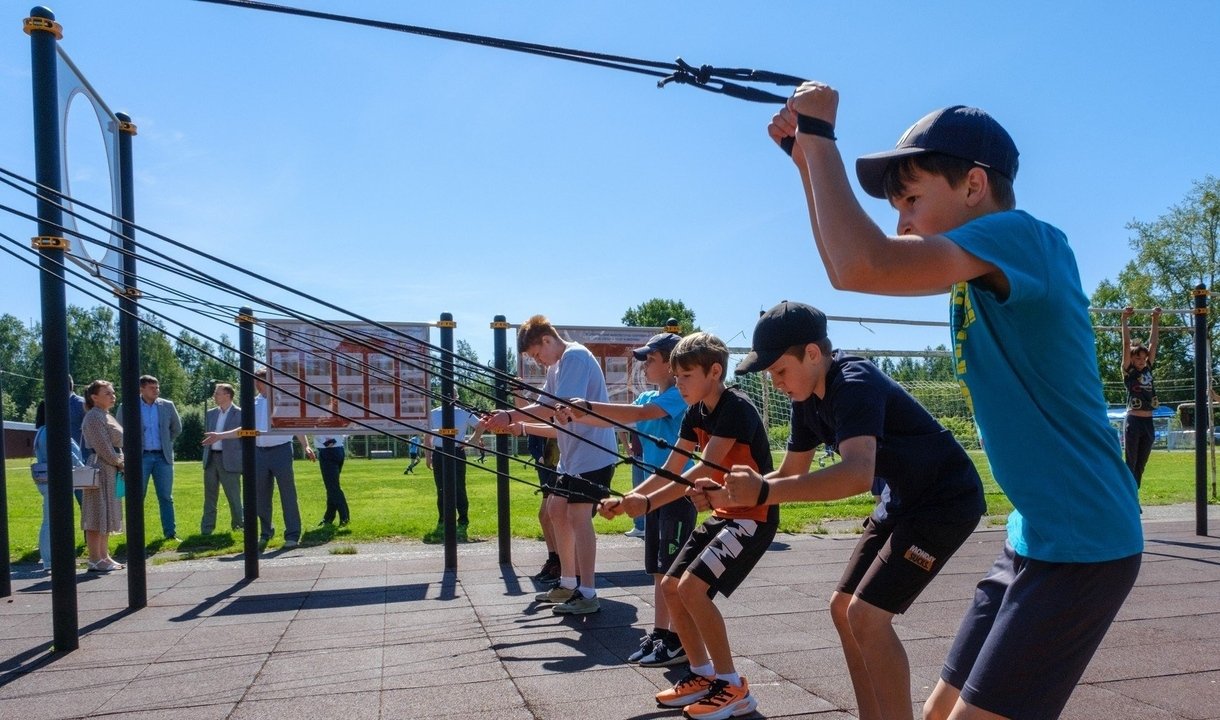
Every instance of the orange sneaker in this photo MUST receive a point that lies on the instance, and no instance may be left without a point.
(722, 701)
(688, 690)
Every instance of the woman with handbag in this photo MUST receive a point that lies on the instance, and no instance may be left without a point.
(101, 511)
(39, 472)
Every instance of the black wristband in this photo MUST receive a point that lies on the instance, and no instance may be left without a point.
(814, 126)
(763, 491)
(647, 504)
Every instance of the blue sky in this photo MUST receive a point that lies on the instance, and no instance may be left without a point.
(402, 176)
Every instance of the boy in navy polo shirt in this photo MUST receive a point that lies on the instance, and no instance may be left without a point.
(1074, 536)
(933, 503)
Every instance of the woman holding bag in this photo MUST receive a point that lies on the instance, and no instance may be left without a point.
(101, 511)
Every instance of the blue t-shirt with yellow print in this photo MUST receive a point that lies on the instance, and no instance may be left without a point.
(1028, 367)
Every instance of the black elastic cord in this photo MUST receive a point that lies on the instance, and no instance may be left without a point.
(704, 77)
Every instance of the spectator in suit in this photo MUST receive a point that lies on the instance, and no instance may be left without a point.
(159, 427)
(222, 462)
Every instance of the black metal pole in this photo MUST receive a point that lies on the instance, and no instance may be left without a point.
(249, 491)
(44, 32)
(6, 580)
(499, 333)
(448, 446)
(1203, 420)
(129, 377)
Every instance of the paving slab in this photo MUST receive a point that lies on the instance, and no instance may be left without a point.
(390, 633)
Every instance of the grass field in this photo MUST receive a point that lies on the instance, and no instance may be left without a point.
(387, 505)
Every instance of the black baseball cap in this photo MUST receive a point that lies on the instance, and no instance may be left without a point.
(781, 327)
(664, 342)
(962, 132)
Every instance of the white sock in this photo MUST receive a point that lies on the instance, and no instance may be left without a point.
(587, 591)
(731, 678)
(568, 583)
(706, 671)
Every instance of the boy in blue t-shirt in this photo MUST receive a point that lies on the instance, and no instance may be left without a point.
(1074, 536)
(933, 496)
(656, 414)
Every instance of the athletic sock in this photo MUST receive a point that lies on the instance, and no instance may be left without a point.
(706, 671)
(567, 583)
(731, 678)
(552, 557)
(587, 591)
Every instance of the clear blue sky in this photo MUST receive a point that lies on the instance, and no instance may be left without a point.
(402, 176)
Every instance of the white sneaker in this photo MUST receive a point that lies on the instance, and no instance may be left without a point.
(635, 533)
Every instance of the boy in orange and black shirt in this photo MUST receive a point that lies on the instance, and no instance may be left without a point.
(728, 430)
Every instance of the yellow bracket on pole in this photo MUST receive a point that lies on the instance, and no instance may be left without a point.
(127, 127)
(132, 293)
(247, 433)
(499, 325)
(33, 24)
(446, 323)
(246, 318)
(48, 242)
(447, 432)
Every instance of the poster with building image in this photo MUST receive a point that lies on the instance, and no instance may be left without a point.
(324, 378)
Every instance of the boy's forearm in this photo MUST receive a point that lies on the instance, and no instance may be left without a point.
(850, 241)
(833, 483)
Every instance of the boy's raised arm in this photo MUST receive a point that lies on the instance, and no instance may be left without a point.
(860, 256)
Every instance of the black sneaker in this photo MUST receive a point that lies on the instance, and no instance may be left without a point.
(646, 647)
(663, 656)
(549, 574)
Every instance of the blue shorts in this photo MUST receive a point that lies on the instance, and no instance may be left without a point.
(666, 530)
(1032, 630)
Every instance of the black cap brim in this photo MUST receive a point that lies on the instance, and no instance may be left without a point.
(758, 360)
(870, 169)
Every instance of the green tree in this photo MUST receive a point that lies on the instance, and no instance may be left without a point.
(157, 358)
(657, 311)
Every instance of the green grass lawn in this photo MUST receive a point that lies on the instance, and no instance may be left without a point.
(387, 505)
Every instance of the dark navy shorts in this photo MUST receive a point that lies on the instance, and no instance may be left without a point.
(666, 530)
(721, 552)
(895, 559)
(587, 487)
(1032, 630)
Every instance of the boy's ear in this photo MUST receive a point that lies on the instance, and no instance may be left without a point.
(813, 352)
(977, 186)
(716, 371)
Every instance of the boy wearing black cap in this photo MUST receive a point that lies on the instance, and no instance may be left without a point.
(1074, 537)
(657, 415)
(934, 502)
(722, 551)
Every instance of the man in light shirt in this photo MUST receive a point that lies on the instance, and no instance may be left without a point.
(273, 466)
(222, 461)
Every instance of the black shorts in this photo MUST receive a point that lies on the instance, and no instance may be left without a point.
(587, 487)
(666, 530)
(547, 478)
(1034, 625)
(895, 560)
(722, 552)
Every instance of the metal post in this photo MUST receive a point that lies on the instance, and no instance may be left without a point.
(499, 332)
(1203, 420)
(448, 446)
(6, 580)
(249, 490)
(129, 377)
(44, 32)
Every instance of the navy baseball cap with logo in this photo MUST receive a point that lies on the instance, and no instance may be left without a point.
(962, 132)
(663, 342)
(781, 327)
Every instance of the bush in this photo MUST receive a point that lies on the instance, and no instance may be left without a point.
(778, 436)
(963, 430)
(189, 445)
